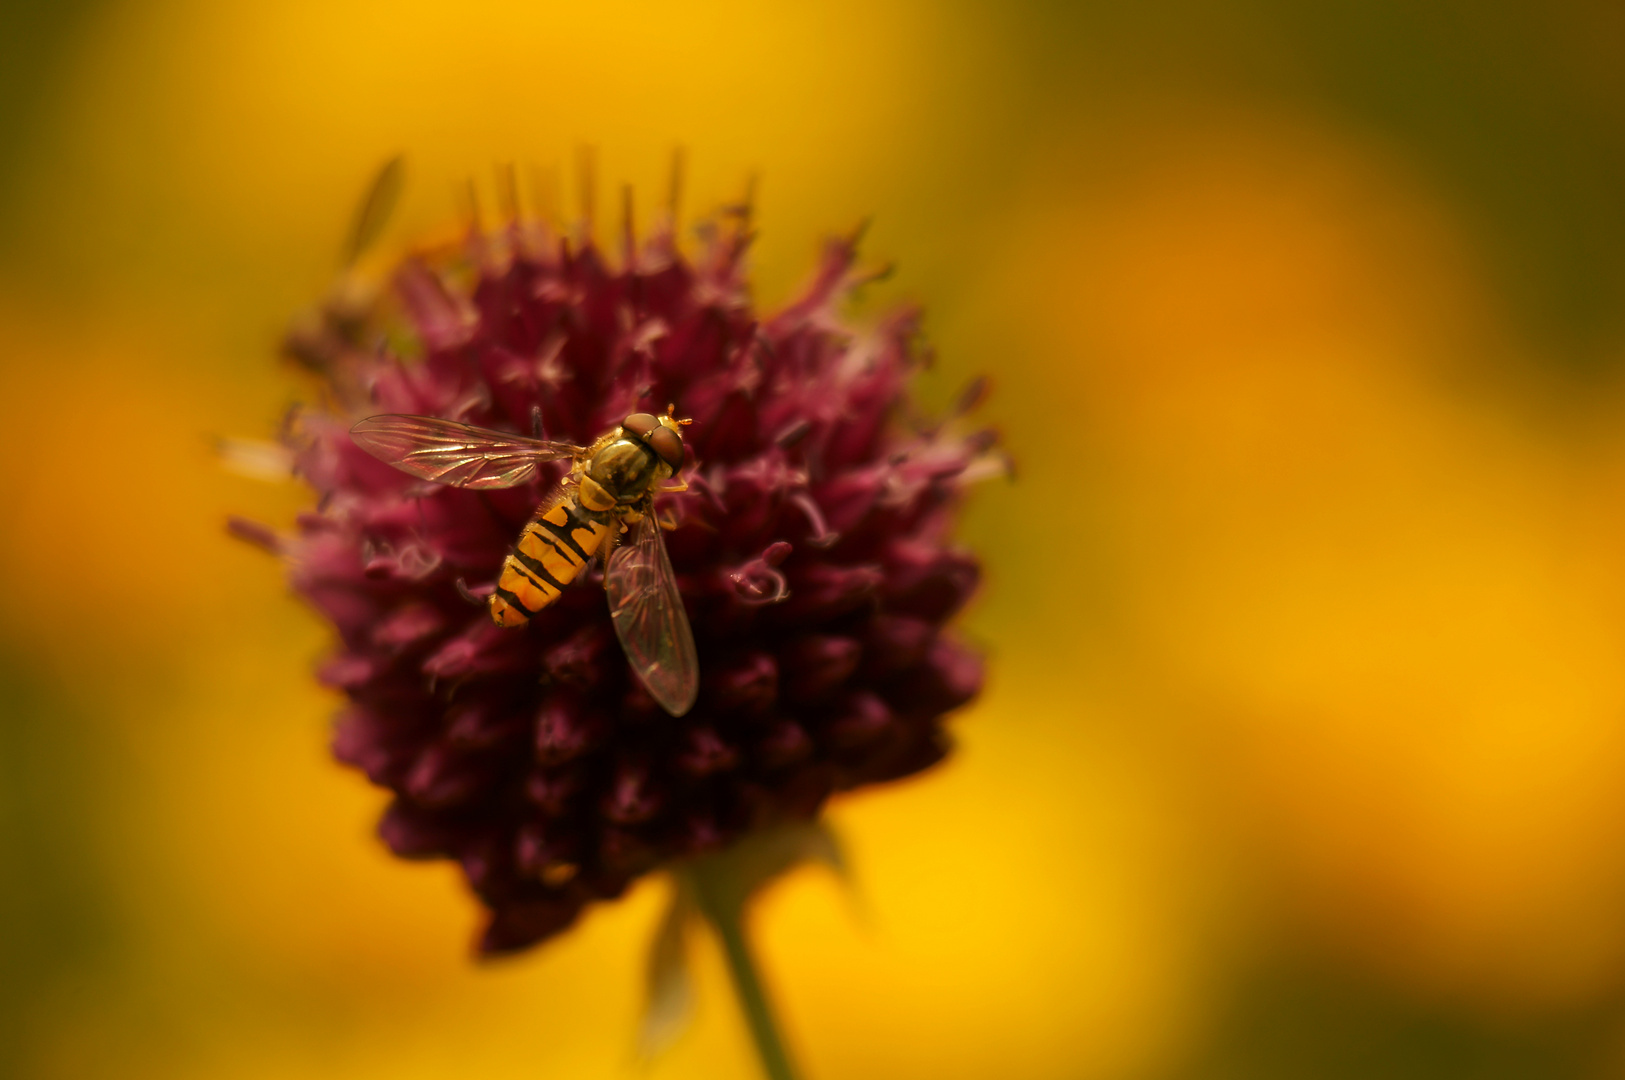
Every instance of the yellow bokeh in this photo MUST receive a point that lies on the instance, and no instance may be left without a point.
(1305, 615)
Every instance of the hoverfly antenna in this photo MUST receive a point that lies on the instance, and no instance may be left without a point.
(671, 411)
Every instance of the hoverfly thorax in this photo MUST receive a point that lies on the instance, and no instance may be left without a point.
(647, 450)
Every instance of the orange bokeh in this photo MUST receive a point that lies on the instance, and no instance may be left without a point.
(1305, 614)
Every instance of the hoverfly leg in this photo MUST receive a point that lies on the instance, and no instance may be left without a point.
(536, 429)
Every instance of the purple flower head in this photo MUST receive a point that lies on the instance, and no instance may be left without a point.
(811, 551)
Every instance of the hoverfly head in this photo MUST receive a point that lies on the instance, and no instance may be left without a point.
(663, 434)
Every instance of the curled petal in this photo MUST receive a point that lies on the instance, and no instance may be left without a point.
(822, 536)
(759, 581)
(410, 562)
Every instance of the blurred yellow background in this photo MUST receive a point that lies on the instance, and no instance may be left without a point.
(1303, 751)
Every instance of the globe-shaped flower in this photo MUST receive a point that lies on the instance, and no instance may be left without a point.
(811, 551)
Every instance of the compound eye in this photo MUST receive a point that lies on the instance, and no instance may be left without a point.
(640, 424)
(668, 444)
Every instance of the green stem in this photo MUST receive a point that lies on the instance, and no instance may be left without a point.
(727, 920)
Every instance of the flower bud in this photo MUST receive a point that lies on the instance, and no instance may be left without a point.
(749, 683)
(442, 777)
(566, 728)
(631, 798)
(863, 718)
(817, 664)
(703, 753)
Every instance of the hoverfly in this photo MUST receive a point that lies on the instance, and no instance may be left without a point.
(610, 489)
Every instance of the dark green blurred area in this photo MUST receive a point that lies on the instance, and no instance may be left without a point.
(34, 37)
(1516, 112)
(1305, 1023)
(59, 936)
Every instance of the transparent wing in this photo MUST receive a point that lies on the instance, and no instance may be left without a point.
(649, 617)
(457, 454)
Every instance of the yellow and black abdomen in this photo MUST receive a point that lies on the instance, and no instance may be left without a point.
(552, 550)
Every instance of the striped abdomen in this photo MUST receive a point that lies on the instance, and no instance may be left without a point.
(552, 550)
